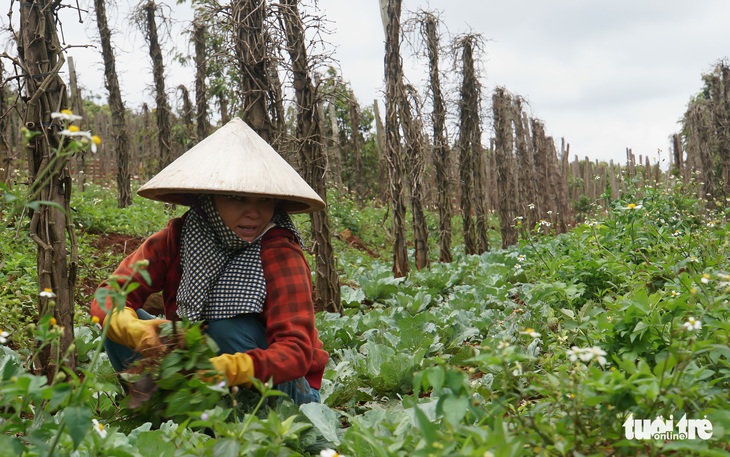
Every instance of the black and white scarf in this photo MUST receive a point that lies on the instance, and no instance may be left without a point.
(222, 274)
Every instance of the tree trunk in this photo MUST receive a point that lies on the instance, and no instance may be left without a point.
(724, 127)
(314, 161)
(162, 114)
(201, 70)
(565, 170)
(472, 167)
(561, 211)
(393, 149)
(356, 165)
(546, 198)
(324, 143)
(335, 150)
(492, 197)
(699, 144)
(278, 113)
(119, 134)
(248, 24)
(223, 106)
(527, 192)
(677, 155)
(630, 163)
(77, 106)
(184, 137)
(146, 147)
(506, 186)
(5, 157)
(38, 48)
(186, 116)
(414, 154)
(720, 104)
(383, 178)
(441, 145)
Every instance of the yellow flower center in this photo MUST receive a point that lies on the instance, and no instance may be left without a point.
(53, 321)
(67, 112)
(94, 320)
(96, 139)
(47, 289)
(631, 205)
(73, 128)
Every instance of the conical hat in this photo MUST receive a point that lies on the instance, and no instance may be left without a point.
(234, 160)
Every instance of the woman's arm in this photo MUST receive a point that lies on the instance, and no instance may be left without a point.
(288, 313)
(157, 251)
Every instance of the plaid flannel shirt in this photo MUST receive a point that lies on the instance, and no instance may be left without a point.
(295, 349)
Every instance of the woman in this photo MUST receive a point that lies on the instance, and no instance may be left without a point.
(234, 261)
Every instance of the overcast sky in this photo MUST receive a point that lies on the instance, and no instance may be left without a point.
(604, 75)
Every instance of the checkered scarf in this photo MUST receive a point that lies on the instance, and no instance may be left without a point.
(222, 274)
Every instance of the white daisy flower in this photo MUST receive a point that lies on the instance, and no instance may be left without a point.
(47, 293)
(99, 428)
(692, 324)
(66, 115)
(329, 453)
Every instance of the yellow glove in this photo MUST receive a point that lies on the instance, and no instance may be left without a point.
(127, 329)
(237, 368)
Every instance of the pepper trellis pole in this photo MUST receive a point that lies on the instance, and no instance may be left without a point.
(40, 54)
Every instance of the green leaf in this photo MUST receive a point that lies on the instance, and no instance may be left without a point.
(60, 393)
(324, 419)
(435, 377)
(146, 276)
(718, 352)
(455, 380)
(101, 296)
(78, 422)
(171, 364)
(193, 336)
(153, 444)
(639, 330)
(183, 401)
(10, 364)
(396, 372)
(227, 447)
(376, 355)
(351, 298)
(454, 408)
(665, 363)
(172, 380)
(427, 427)
(10, 446)
(35, 205)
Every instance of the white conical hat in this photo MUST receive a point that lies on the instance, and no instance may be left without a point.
(234, 160)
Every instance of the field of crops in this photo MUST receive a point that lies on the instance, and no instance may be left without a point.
(560, 345)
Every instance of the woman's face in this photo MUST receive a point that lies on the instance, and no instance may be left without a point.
(247, 216)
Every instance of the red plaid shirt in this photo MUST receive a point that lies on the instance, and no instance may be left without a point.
(295, 349)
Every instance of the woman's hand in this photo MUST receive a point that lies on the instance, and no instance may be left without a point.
(129, 330)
